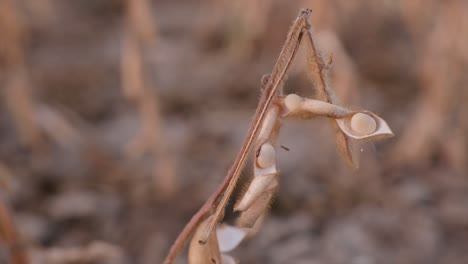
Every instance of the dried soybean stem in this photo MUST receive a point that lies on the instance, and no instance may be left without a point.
(140, 34)
(9, 234)
(277, 77)
(225, 189)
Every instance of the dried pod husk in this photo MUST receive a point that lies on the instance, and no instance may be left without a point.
(260, 184)
(200, 253)
(305, 108)
(258, 196)
(264, 179)
(344, 146)
(291, 103)
(258, 208)
(321, 108)
(271, 120)
(364, 125)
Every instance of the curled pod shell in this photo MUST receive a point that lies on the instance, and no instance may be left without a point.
(321, 108)
(364, 125)
(265, 177)
(260, 185)
(306, 108)
(259, 207)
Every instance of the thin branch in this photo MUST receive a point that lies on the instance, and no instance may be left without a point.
(317, 67)
(139, 34)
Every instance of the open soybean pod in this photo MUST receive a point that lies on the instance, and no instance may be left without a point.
(259, 194)
(364, 125)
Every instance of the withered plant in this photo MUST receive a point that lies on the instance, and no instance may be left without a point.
(210, 238)
(139, 34)
(9, 236)
(441, 30)
(35, 121)
(243, 23)
(17, 91)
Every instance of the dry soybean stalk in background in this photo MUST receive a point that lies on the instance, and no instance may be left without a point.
(441, 28)
(140, 33)
(17, 91)
(9, 236)
(243, 23)
(36, 123)
(18, 98)
(210, 238)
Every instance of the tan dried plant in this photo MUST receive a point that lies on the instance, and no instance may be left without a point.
(441, 29)
(244, 22)
(211, 239)
(9, 236)
(17, 92)
(140, 34)
(36, 122)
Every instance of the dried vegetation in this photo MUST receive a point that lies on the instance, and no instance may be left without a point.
(118, 119)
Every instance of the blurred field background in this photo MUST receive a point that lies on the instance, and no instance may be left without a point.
(119, 118)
